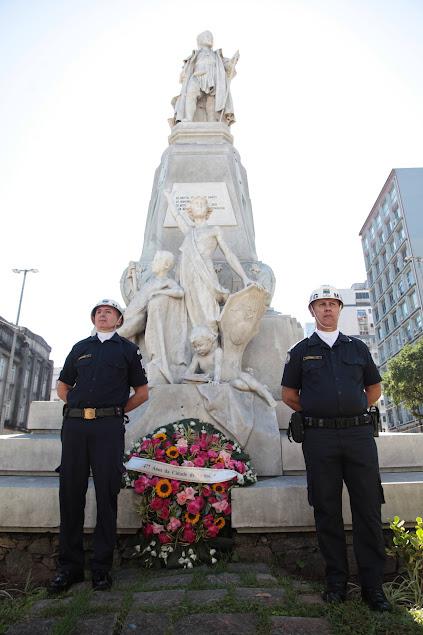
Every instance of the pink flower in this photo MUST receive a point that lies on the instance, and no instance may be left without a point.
(181, 497)
(156, 503)
(212, 454)
(207, 490)
(148, 530)
(188, 534)
(225, 457)
(141, 484)
(212, 531)
(182, 445)
(164, 539)
(145, 445)
(199, 462)
(164, 513)
(208, 520)
(240, 467)
(194, 449)
(196, 505)
(173, 524)
(221, 506)
(157, 529)
(190, 492)
(175, 485)
(188, 464)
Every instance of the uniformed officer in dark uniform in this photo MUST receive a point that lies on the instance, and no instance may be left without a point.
(95, 385)
(332, 380)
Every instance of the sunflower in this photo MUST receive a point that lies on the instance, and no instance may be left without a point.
(219, 488)
(172, 452)
(219, 522)
(192, 518)
(163, 488)
(160, 435)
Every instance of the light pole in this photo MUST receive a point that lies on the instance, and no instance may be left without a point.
(4, 396)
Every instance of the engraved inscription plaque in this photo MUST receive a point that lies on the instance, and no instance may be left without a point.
(218, 197)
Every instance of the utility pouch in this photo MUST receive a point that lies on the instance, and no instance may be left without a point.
(296, 428)
(375, 417)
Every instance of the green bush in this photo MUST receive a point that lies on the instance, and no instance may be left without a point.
(407, 545)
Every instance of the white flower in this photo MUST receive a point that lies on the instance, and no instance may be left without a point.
(138, 548)
(212, 552)
(213, 560)
(190, 565)
(181, 561)
(153, 553)
(193, 557)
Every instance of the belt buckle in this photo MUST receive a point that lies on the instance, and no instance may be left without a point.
(89, 413)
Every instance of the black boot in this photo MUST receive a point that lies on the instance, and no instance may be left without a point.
(375, 599)
(63, 580)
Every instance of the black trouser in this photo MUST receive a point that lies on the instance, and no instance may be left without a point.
(349, 455)
(97, 444)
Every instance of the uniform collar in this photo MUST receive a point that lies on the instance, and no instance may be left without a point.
(314, 340)
(115, 338)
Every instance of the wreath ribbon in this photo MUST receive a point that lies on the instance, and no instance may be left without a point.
(180, 472)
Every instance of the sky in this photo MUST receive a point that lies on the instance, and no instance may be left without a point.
(328, 99)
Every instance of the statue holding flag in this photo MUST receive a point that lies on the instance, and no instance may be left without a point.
(205, 78)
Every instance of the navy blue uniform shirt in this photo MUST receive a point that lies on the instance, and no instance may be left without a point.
(331, 380)
(102, 373)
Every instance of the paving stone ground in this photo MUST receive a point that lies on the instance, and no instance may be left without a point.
(241, 600)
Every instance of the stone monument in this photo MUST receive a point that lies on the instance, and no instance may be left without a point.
(213, 347)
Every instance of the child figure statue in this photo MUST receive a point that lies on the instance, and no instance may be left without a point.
(208, 358)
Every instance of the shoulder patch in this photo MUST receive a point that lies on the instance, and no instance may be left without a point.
(287, 358)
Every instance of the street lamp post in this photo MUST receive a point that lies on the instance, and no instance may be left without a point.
(4, 397)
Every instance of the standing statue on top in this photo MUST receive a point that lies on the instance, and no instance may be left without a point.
(205, 78)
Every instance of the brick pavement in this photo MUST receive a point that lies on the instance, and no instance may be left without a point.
(243, 599)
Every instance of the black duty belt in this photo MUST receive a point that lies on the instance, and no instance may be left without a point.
(339, 423)
(93, 413)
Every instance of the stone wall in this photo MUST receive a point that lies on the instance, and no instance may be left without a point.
(34, 554)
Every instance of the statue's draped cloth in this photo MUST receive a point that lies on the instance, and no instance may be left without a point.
(201, 285)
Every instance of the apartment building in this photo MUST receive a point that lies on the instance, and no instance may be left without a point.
(392, 241)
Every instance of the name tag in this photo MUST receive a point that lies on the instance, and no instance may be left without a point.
(307, 357)
(84, 356)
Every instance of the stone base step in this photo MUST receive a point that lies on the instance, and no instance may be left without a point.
(273, 504)
(35, 454)
(281, 504)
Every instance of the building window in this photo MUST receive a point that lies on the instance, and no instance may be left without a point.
(394, 319)
(385, 208)
(386, 327)
(410, 278)
(413, 300)
(404, 309)
(361, 295)
(13, 374)
(393, 194)
(383, 306)
(2, 367)
(401, 287)
(418, 321)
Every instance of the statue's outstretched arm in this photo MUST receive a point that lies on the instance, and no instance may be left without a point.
(182, 220)
(232, 260)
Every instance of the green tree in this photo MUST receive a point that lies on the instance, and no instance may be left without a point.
(403, 381)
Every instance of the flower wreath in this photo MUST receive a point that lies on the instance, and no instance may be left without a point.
(181, 520)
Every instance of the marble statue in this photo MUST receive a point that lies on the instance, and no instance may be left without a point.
(208, 359)
(205, 78)
(203, 292)
(158, 309)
